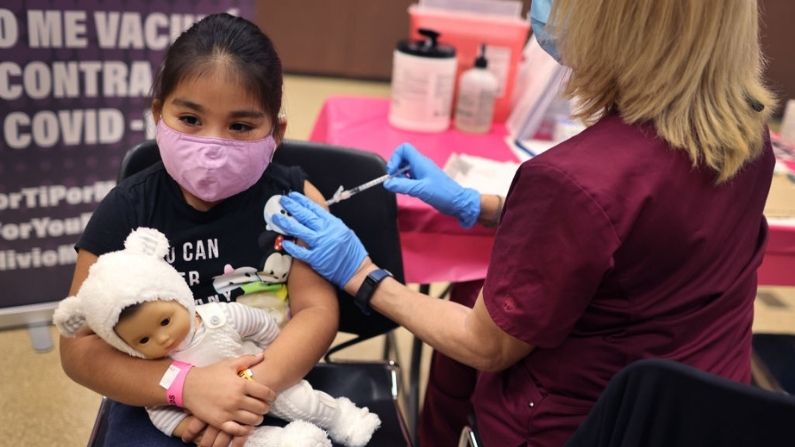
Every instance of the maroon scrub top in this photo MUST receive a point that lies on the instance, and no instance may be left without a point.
(613, 247)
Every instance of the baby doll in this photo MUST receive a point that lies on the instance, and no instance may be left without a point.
(139, 304)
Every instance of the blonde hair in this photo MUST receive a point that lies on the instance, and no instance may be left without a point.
(692, 67)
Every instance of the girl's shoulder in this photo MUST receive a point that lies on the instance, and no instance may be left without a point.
(145, 181)
(283, 177)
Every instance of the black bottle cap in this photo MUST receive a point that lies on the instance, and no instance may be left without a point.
(481, 61)
(428, 47)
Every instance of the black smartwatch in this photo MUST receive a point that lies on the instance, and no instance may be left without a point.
(365, 293)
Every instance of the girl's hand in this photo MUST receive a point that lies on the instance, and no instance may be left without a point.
(194, 430)
(222, 399)
(212, 437)
(239, 441)
(190, 429)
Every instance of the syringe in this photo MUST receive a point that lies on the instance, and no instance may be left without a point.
(345, 194)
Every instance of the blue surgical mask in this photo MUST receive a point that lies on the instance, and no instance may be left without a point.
(539, 16)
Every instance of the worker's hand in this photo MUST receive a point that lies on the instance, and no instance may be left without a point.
(430, 184)
(332, 249)
(218, 396)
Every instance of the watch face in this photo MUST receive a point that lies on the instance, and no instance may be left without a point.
(378, 275)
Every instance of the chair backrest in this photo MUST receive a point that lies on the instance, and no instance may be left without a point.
(137, 158)
(773, 362)
(372, 214)
(662, 402)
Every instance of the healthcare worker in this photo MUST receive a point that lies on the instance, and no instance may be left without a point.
(638, 238)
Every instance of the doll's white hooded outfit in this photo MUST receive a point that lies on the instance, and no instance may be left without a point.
(138, 274)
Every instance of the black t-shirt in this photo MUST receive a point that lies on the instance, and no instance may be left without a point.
(202, 243)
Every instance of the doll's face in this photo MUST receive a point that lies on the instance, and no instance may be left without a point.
(156, 328)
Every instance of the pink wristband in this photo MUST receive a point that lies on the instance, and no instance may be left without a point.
(173, 381)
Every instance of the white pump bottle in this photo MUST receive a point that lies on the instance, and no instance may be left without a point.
(477, 93)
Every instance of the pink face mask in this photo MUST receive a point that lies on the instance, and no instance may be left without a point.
(213, 169)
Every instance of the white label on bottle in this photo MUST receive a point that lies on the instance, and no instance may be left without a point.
(422, 91)
(499, 64)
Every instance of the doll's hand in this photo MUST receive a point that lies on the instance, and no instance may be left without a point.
(218, 396)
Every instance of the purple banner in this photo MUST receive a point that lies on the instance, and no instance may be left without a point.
(74, 83)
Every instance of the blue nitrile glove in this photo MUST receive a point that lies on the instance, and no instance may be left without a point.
(431, 185)
(332, 250)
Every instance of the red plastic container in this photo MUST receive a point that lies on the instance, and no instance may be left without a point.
(505, 38)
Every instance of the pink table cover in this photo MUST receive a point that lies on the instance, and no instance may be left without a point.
(435, 248)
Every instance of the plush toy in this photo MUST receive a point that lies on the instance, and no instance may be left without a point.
(139, 304)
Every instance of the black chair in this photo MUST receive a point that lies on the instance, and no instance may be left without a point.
(97, 437)
(773, 362)
(469, 436)
(373, 216)
(664, 403)
(138, 158)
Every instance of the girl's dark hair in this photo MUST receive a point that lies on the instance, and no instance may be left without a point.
(223, 37)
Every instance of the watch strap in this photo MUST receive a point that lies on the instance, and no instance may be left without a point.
(367, 289)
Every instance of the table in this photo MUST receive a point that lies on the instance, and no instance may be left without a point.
(435, 248)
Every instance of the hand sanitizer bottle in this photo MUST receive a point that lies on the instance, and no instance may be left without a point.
(477, 92)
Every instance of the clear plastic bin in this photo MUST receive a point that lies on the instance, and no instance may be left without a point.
(504, 36)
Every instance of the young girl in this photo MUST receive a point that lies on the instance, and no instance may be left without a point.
(216, 101)
(138, 303)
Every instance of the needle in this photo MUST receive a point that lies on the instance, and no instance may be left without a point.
(345, 194)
